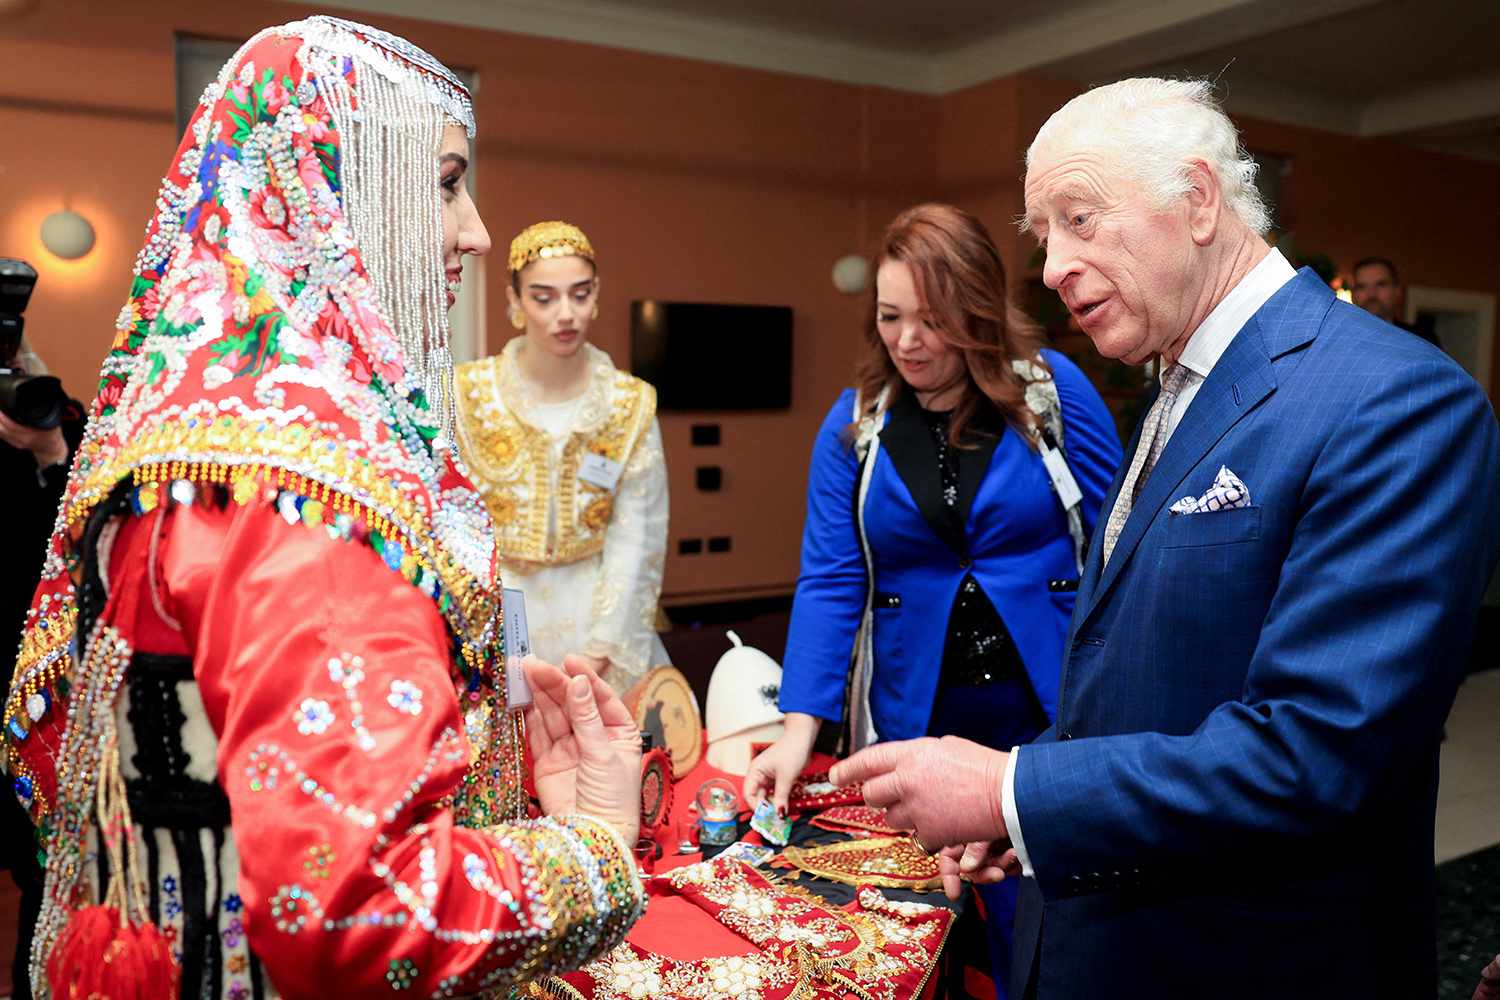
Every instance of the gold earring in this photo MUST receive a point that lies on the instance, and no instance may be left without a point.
(596, 311)
(517, 320)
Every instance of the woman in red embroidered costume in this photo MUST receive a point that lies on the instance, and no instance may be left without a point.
(259, 712)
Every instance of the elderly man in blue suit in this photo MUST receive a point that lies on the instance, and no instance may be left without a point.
(1237, 797)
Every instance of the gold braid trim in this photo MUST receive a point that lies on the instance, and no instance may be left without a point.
(255, 462)
(552, 988)
(242, 454)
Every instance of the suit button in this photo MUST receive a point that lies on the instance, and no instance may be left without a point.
(1065, 735)
(965, 563)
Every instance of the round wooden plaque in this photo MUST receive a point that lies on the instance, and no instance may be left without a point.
(664, 706)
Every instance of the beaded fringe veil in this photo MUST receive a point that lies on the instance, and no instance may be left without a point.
(394, 118)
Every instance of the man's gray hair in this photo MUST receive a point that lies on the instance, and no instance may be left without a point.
(1154, 128)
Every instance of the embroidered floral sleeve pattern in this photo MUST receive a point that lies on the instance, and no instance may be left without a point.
(349, 855)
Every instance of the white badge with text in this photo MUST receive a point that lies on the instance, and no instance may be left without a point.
(1061, 476)
(596, 470)
(517, 648)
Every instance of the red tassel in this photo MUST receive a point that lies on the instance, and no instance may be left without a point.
(100, 955)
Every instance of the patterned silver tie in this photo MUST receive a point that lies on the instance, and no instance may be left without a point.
(1153, 439)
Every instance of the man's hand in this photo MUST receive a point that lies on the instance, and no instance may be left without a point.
(947, 791)
(46, 446)
(585, 747)
(980, 863)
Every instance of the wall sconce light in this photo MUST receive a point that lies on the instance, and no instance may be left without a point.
(851, 274)
(67, 234)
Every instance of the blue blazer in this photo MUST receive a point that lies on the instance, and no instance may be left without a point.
(1237, 796)
(1015, 541)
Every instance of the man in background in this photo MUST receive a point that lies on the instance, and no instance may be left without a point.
(1377, 290)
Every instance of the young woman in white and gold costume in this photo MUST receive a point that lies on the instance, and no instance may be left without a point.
(566, 452)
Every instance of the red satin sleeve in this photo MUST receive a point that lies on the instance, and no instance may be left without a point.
(326, 679)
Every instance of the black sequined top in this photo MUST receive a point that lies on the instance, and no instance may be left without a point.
(978, 649)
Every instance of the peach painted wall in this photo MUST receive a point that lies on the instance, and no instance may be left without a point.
(694, 181)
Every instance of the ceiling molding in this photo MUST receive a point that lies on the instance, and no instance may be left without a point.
(1210, 29)
(1259, 97)
(1067, 35)
(701, 38)
(1090, 42)
(1466, 100)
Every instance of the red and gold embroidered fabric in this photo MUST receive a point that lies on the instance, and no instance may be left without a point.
(874, 949)
(815, 791)
(859, 819)
(893, 862)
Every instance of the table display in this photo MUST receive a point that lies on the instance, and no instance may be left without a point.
(685, 945)
(873, 948)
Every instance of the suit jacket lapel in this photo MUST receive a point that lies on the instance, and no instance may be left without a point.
(1242, 378)
(908, 441)
(1093, 563)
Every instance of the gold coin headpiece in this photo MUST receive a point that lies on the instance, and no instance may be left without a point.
(546, 240)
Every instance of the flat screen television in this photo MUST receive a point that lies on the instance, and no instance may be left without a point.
(706, 356)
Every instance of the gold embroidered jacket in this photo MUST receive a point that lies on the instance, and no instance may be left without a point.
(511, 462)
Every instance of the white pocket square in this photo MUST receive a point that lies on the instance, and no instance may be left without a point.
(1227, 493)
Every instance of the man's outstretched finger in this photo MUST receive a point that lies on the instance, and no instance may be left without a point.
(883, 792)
(867, 764)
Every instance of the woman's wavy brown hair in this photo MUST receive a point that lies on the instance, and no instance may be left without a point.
(960, 281)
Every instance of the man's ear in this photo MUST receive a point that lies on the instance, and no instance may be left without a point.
(1205, 202)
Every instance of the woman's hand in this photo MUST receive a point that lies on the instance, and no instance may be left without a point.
(598, 664)
(585, 747)
(775, 769)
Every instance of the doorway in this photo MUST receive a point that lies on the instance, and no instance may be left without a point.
(1464, 323)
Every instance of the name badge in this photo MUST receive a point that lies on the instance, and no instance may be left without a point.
(517, 648)
(596, 470)
(1061, 476)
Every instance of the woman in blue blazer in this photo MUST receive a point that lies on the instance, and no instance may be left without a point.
(974, 563)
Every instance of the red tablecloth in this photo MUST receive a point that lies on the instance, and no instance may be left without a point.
(674, 927)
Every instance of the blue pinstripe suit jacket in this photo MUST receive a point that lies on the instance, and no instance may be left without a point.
(1237, 797)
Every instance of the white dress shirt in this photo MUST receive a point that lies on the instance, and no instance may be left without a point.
(1204, 348)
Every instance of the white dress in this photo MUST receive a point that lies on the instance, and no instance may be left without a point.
(603, 604)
